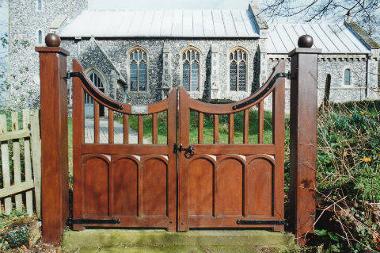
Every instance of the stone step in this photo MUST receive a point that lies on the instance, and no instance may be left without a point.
(157, 241)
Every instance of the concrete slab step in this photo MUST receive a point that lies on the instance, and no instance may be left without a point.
(157, 241)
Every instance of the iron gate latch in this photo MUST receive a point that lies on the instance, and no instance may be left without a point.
(189, 151)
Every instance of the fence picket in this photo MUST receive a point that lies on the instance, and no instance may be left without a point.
(36, 157)
(5, 164)
(16, 161)
(28, 162)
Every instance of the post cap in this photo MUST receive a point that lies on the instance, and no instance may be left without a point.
(52, 40)
(305, 41)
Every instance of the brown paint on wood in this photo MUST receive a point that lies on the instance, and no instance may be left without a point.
(200, 127)
(216, 128)
(140, 129)
(96, 123)
(125, 129)
(229, 185)
(303, 140)
(124, 182)
(231, 129)
(111, 130)
(154, 128)
(95, 176)
(261, 116)
(201, 187)
(154, 187)
(246, 127)
(55, 189)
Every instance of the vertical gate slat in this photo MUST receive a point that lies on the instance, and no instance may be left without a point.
(28, 162)
(125, 129)
(154, 128)
(278, 128)
(216, 128)
(260, 133)
(78, 140)
(231, 128)
(200, 127)
(16, 161)
(111, 131)
(96, 122)
(5, 164)
(141, 129)
(246, 127)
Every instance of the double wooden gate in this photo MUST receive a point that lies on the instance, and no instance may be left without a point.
(233, 180)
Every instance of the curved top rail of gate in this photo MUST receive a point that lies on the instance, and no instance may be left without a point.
(241, 105)
(254, 99)
(108, 102)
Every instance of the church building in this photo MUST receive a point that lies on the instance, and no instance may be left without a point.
(136, 56)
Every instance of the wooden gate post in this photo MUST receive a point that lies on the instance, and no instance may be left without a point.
(303, 136)
(54, 146)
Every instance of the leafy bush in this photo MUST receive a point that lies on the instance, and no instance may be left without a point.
(348, 177)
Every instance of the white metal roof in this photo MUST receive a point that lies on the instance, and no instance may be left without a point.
(331, 38)
(163, 23)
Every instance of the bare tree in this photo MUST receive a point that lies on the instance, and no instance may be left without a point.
(364, 12)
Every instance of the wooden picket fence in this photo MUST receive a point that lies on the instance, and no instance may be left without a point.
(20, 176)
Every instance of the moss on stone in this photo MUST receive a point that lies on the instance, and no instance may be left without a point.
(156, 241)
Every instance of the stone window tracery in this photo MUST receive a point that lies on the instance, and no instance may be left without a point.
(138, 70)
(238, 70)
(191, 74)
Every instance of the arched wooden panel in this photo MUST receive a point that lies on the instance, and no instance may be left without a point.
(95, 194)
(201, 187)
(154, 187)
(124, 186)
(229, 187)
(260, 187)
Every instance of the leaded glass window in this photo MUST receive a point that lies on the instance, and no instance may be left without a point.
(97, 81)
(191, 75)
(138, 70)
(238, 70)
(347, 77)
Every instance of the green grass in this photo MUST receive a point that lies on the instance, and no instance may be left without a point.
(208, 127)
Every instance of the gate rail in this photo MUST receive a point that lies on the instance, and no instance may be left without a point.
(55, 201)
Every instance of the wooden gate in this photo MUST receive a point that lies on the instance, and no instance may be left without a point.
(238, 184)
(122, 185)
(212, 185)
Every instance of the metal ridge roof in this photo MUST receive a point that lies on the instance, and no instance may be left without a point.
(331, 38)
(163, 23)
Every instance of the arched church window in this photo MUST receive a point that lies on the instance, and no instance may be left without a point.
(40, 37)
(96, 79)
(190, 66)
(238, 70)
(138, 70)
(347, 77)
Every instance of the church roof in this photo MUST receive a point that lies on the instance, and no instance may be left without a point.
(163, 23)
(331, 38)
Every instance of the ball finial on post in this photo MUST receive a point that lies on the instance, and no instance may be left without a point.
(305, 41)
(52, 40)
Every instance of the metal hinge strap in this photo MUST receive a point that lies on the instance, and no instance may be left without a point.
(260, 222)
(71, 221)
